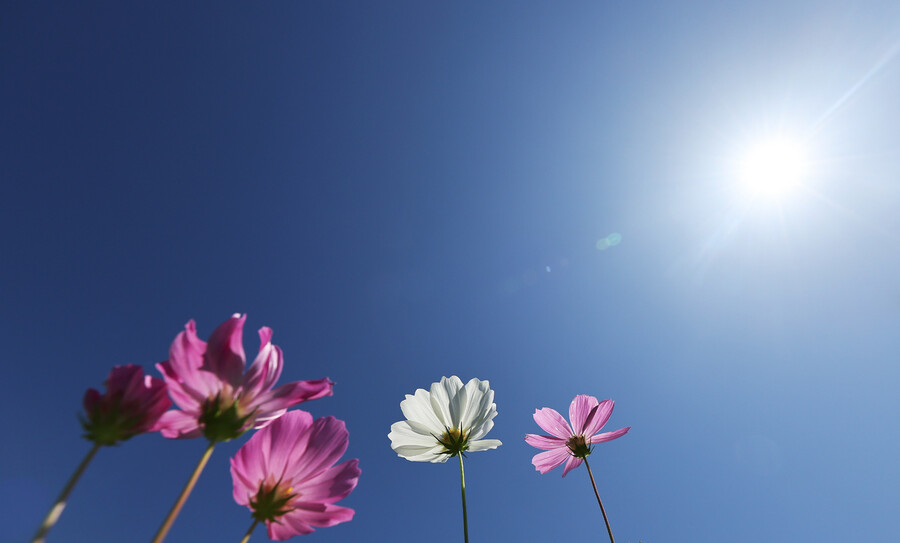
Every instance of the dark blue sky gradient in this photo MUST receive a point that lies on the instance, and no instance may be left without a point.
(403, 191)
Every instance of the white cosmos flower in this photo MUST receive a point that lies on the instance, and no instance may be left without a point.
(449, 420)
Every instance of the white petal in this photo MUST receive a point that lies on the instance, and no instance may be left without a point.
(470, 408)
(459, 404)
(482, 430)
(484, 444)
(414, 446)
(440, 398)
(414, 453)
(485, 412)
(404, 433)
(431, 456)
(418, 408)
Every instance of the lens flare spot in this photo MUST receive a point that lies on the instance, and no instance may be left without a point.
(609, 241)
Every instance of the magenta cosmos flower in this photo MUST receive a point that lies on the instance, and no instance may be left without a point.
(571, 444)
(217, 399)
(132, 405)
(286, 474)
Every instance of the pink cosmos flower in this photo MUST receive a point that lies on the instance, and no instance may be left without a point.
(286, 474)
(132, 405)
(571, 444)
(217, 399)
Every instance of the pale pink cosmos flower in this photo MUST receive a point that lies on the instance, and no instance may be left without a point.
(132, 404)
(216, 398)
(286, 474)
(571, 444)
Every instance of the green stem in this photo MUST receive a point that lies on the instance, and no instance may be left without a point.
(250, 531)
(602, 510)
(60, 503)
(462, 482)
(167, 524)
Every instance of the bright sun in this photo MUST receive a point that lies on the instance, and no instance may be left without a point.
(773, 168)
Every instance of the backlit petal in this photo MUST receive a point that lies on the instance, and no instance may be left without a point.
(179, 424)
(266, 368)
(484, 444)
(609, 436)
(600, 418)
(553, 423)
(547, 460)
(571, 464)
(545, 442)
(580, 410)
(224, 356)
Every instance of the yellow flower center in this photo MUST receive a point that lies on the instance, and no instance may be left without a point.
(454, 441)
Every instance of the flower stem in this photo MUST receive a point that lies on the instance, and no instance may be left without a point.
(60, 503)
(250, 531)
(167, 524)
(462, 482)
(602, 510)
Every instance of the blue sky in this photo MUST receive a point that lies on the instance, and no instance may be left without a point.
(403, 191)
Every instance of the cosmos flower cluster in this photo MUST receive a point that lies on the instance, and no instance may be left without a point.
(289, 474)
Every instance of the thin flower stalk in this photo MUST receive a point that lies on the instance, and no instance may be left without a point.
(182, 498)
(602, 509)
(462, 483)
(246, 537)
(60, 504)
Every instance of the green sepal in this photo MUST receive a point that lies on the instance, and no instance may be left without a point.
(109, 428)
(269, 505)
(222, 424)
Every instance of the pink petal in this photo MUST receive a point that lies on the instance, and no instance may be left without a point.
(91, 397)
(186, 352)
(225, 351)
(289, 395)
(284, 529)
(244, 484)
(266, 368)
(328, 440)
(185, 360)
(267, 452)
(580, 411)
(552, 422)
(609, 436)
(249, 463)
(545, 442)
(571, 464)
(332, 484)
(179, 424)
(547, 460)
(280, 442)
(600, 418)
(184, 396)
(125, 380)
(158, 406)
(320, 515)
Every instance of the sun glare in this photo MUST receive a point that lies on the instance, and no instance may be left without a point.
(773, 168)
